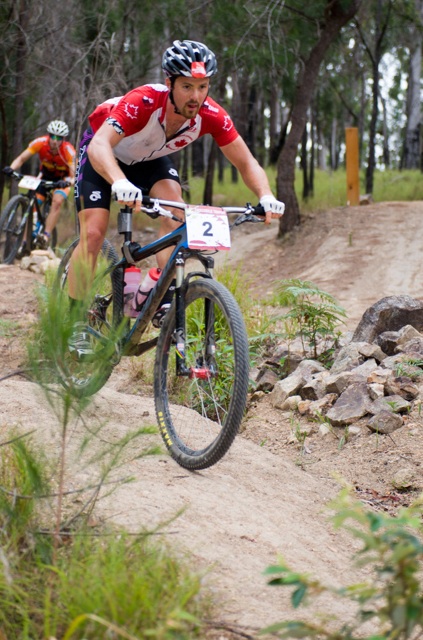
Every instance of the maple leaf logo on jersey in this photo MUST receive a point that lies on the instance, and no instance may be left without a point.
(227, 124)
(180, 143)
(131, 110)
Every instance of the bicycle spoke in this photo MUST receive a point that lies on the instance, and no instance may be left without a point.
(199, 413)
(83, 373)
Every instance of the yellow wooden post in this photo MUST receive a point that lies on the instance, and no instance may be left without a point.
(353, 177)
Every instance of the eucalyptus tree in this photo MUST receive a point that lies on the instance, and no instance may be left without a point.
(324, 20)
(412, 139)
(373, 26)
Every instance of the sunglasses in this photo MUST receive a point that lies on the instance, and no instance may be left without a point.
(54, 137)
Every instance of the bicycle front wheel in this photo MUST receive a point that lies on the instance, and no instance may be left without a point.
(46, 211)
(102, 322)
(12, 229)
(199, 413)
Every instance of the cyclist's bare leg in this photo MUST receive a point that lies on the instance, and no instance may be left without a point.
(93, 228)
(167, 190)
(54, 213)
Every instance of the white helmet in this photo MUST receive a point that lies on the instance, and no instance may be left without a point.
(58, 128)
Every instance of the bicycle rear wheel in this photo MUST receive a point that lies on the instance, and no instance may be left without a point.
(104, 321)
(12, 231)
(199, 415)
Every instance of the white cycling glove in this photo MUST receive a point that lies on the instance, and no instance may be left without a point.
(125, 191)
(269, 203)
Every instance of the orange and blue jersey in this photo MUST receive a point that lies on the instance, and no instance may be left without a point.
(55, 165)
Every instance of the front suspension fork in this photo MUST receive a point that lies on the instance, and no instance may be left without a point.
(205, 367)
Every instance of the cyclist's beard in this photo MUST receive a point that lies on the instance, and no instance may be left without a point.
(189, 111)
(184, 111)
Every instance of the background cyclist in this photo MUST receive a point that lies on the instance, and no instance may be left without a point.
(126, 149)
(57, 163)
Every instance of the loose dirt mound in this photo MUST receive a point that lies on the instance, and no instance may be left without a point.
(269, 495)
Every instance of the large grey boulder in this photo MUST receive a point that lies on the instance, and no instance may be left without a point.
(389, 314)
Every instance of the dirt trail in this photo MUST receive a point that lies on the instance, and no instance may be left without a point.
(257, 503)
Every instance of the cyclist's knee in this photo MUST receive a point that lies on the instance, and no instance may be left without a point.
(167, 225)
(94, 238)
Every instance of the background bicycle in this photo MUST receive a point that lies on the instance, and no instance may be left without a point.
(22, 221)
(201, 370)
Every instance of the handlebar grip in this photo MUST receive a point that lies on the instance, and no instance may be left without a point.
(259, 210)
(12, 173)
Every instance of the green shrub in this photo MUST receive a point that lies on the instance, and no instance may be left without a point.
(314, 314)
(392, 599)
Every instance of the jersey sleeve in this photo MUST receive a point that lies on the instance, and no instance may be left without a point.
(35, 146)
(130, 113)
(217, 122)
(69, 153)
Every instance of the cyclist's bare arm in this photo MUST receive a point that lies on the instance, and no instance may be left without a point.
(71, 176)
(100, 153)
(252, 173)
(20, 159)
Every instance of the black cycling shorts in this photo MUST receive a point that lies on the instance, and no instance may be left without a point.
(92, 191)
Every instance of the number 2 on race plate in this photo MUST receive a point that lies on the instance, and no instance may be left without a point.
(207, 228)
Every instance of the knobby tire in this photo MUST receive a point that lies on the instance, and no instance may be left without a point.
(199, 418)
(105, 316)
(10, 220)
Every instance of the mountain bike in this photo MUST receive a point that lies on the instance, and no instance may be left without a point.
(23, 220)
(201, 370)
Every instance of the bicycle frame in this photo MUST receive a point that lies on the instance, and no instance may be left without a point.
(133, 252)
(25, 229)
(28, 218)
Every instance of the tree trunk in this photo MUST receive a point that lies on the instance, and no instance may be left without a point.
(337, 14)
(371, 160)
(312, 153)
(208, 185)
(22, 52)
(274, 123)
(198, 158)
(385, 128)
(411, 155)
(304, 164)
(3, 145)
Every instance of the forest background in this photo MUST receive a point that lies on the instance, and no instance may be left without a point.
(293, 76)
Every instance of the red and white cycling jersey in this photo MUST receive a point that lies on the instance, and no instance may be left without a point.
(140, 116)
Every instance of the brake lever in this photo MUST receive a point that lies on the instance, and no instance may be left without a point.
(246, 217)
(154, 210)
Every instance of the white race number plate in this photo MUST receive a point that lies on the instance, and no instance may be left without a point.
(29, 182)
(207, 228)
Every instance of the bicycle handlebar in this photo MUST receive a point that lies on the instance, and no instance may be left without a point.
(48, 184)
(154, 206)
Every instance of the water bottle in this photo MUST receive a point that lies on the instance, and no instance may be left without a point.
(145, 287)
(132, 282)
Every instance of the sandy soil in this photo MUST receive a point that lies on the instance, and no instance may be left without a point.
(268, 497)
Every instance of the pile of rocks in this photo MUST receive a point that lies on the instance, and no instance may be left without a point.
(40, 261)
(377, 373)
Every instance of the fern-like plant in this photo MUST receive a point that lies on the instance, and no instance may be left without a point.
(313, 314)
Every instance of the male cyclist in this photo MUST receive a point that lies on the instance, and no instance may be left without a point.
(126, 150)
(57, 163)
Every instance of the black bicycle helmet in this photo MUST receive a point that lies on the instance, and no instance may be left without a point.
(189, 58)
